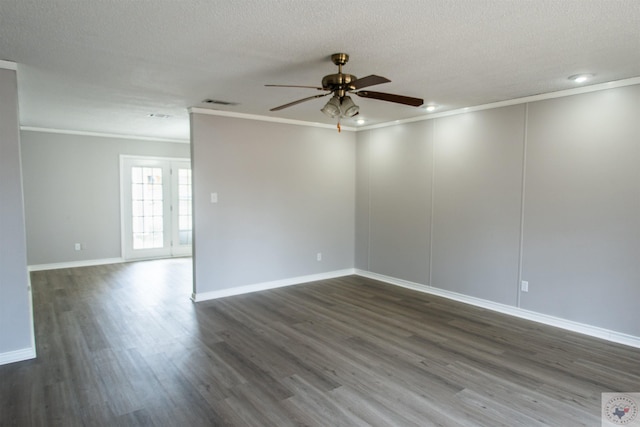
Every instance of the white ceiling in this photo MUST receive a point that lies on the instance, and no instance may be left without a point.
(105, 65)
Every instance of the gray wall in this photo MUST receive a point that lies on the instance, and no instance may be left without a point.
(571, 162)
(285, 193)
(15, 316)
(72, 193)
(476, 205)
(582, 209)
(394, 191)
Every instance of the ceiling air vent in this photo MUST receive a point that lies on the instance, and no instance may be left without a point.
(218, 102)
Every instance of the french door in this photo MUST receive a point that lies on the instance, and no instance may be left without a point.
(156, 207)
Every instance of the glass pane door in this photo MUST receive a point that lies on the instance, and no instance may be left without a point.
(147, 208)
(156, 207)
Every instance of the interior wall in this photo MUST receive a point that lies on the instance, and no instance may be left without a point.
(285, 193)
(546, 192)
(72, 193)
(396, 206)
(582, 218)
(362, 200)
(477, 203)
(15, 316)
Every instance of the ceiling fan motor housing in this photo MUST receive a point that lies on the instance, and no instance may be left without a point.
(338, 82)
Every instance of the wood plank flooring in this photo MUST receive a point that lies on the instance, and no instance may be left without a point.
(122, 345)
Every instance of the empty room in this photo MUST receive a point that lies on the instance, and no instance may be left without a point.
(288, 213)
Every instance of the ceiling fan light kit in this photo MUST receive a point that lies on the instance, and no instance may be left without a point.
(340, 108)
(340, 85)
(349, 108)
(332, 108)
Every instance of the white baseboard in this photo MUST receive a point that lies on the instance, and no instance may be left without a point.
(74, 264)
(203, 296)
(593, 331)
(17, 355)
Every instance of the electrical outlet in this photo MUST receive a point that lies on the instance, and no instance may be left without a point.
(319, 256)
(78, 247)
(525, 286)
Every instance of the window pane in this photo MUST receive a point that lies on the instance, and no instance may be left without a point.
(184, 206)
(157, 240)
(136, 175)
(137, 209)
(136, 191)
(148, 208)
(184, 176)
(137, 225)
(157, 192)
(157, 223)
(184, 223)
(185, 237)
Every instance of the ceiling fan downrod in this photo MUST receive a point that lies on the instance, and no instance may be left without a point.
(338, 83)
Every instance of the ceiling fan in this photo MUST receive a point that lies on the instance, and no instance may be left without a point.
(340, 85)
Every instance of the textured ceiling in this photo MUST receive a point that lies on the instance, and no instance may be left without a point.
(105, 65)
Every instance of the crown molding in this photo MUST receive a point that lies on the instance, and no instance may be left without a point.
(207, 111)
(8, 65)
(102, 134)
(199, 110)
(541, 97)
(516, 101)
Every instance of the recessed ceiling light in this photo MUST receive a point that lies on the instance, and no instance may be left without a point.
(581, 78)
(431, 107)
(360, 121)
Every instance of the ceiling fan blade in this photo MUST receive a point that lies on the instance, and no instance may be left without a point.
(399, 99)
(308, 87)
(299, 101)
(368, 81)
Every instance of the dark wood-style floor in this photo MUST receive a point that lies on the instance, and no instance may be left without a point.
(122, 345)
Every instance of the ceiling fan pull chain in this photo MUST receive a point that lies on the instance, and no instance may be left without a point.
(339, 130)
